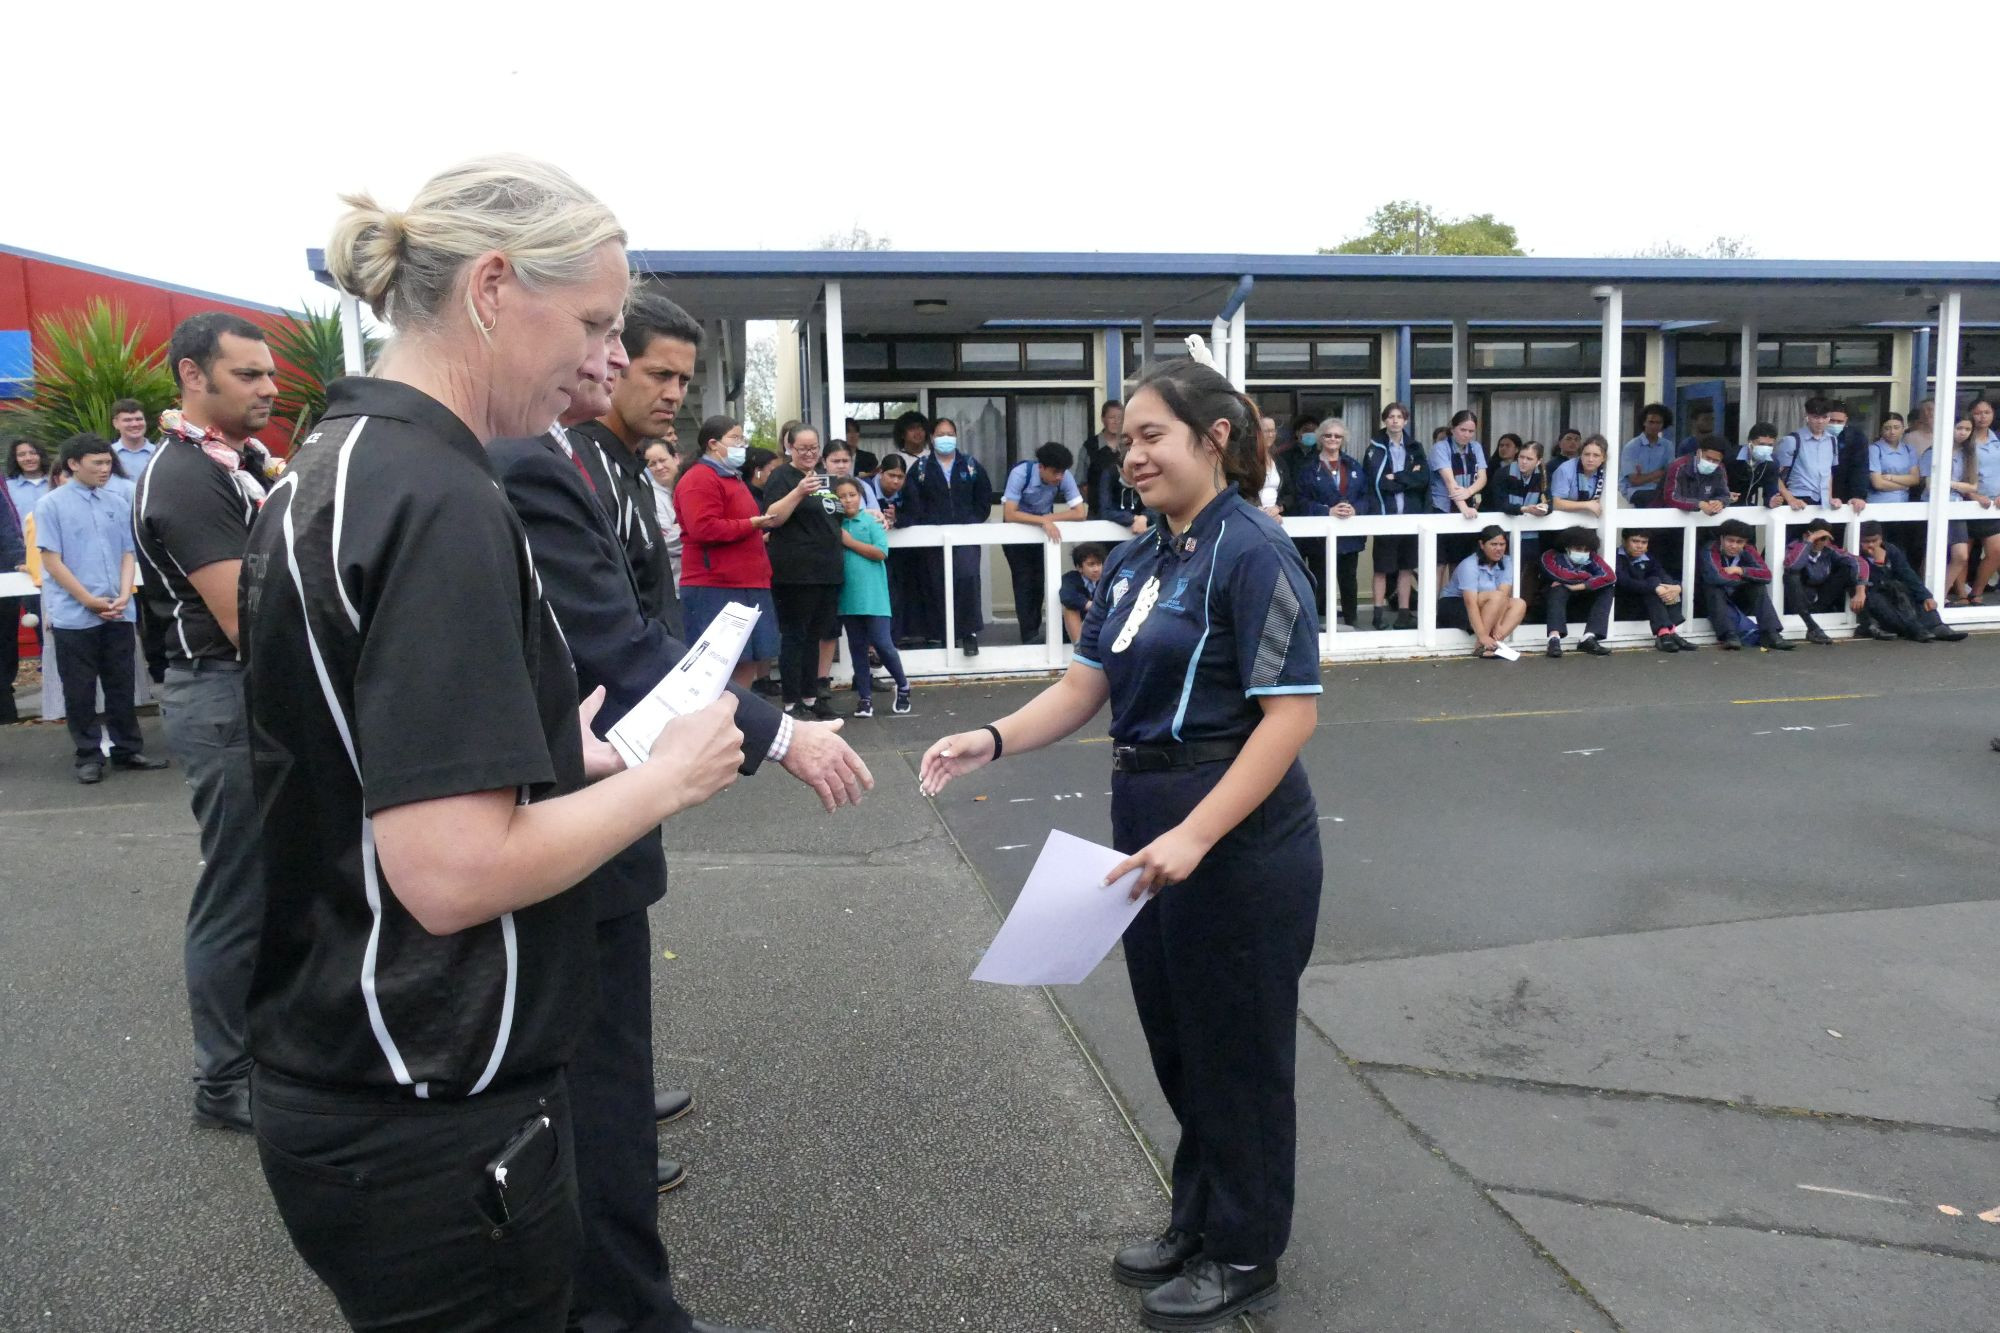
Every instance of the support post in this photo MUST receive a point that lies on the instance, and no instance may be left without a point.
(1610, 386)
(1404, 351)
(1460, 354)
(1935, 537)
(1114, 366)
(1920, 369)
(1218, 343)
(714, 383)
(836, 367)
(353, 347)
(1146, 352)
(1239, 347)
(1746, 374)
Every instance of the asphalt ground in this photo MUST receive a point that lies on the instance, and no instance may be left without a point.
(1651, 993)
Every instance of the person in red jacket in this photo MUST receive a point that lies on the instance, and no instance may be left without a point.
(1578, 574)
(723, 559)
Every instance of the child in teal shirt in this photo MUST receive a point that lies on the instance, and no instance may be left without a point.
(864, 598)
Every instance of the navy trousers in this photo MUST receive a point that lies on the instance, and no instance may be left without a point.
(86, 659)
(1215, 963)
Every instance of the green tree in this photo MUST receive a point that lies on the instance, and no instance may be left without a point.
(760, 391)
(1722, 247)
(84, 362)
(1407, 227)
(854, 238)
(311, 354)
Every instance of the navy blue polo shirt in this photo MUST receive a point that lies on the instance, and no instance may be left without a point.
(1191, 630)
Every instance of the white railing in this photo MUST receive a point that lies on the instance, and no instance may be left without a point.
(1338, 644)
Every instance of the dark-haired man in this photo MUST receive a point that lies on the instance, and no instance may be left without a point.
(661, 342)
(1100, 452)
(1899, 605)
(84, 530)
(191, 519)
(1035, 487)
(1734, 579)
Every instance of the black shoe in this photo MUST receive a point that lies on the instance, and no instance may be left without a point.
(765, 686)
(822, 709)
(1814, 634)
(798, 713)
(970, 645)
(1683, 646)
(223, 1110)
(866, 708)
(1666, 643)
(137, 763)
(1594, 648)
(1918, 636)
(1406, 620)
(1208, 1293)
(1151, 1262)
(1555, 646)
(668, 1175)
(1729, 643)
(1778, 643)
(1381, 617)
(671, 1104)
(703, 1326)
(823, 686)
(1877, 632)
(90, 772)
(1948, 634)
(901, 707)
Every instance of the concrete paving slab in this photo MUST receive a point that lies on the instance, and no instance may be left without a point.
(1744, 1012)
(1663, 1277)
(1698, 1162)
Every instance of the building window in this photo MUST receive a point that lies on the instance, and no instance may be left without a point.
(924, 355)
(1348, 357)
(1494, 354)
(1270, 357)
(865, 356)
(1048, 356)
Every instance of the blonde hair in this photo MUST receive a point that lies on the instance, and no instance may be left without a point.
(405, 264)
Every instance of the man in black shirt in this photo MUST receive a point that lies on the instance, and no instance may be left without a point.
(624, 1278)
(661, 342)
(190, 520)
(806, 574)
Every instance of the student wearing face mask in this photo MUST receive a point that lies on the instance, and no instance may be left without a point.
(1820, 577)
(948, 486)
(1578, 577)
(1698, 482)
(723, 557)
(1753, 476)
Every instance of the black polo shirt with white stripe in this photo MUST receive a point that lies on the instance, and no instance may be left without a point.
(188, 514)
(398, 650)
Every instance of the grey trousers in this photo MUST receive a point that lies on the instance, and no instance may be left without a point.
(202, 707)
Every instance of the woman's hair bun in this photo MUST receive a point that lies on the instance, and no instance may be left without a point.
(367, 251)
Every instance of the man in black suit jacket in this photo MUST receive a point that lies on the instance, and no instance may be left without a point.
(623, 1277)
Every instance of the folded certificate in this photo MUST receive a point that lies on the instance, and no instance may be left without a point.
(1066, 919)
(696, 681)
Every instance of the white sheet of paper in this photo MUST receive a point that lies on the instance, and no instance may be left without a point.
(13, 583)
(1506, 652)
(1065, 920)
(696, 681)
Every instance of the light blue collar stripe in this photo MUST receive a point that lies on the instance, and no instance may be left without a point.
(1081, 660)
(1194, 659)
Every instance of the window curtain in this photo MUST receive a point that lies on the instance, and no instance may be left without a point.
(1584, 416)
(1433, 411)
(1357, 413)
(1532, 416)
(1042, 419)
(982, 430)
(1783, 408)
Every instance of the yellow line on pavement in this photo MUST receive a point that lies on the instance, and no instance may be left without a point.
(1806, 699)
(1484, 717)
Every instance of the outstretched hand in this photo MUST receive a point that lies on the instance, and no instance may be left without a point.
(823, 761)
(954, 757)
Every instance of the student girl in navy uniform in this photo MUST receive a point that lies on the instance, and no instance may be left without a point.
(1329, 486)
(1203, 639)
(1395, 478)
(946, 486)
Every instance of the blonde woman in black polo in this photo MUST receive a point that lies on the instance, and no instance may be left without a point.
(424, 777)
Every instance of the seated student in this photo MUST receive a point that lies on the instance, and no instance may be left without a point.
(1577, 573)
(1737, 584)
(1899, 605)
(864, 599)
(1079, 586)
(1821, 577)
(1479, 597)
(1753, 475)
(1645, 585)
(1697, 481)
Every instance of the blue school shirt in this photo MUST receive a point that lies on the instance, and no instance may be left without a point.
(1026, 488)
(1570, 482)
(1988, 457)
(1464, 466)
(1473, 574)
(1890, 459)
(90, 528)
(1191, 630)
(1811, 459)
(1639, 456)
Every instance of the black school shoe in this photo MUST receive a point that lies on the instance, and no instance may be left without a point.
(1817, 635)
(866, 708)
(1594, 648)
(1555, 646)
(1666, 643)
(1152, 1262)
(1729, 643)
(1208, 1293)
(1683, 646)
(1948, 634)
(1406, 620)
(1778, 643)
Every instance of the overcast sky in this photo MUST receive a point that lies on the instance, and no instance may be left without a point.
(208, 148)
